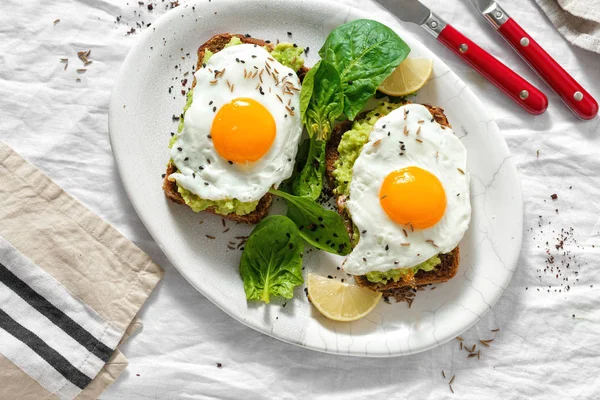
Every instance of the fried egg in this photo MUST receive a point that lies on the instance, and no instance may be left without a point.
(241, 133)
(409, 194)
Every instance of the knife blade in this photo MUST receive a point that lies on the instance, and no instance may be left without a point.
(564, 85)
(509, 82)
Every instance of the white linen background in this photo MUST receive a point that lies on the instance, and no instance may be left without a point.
(549, 343)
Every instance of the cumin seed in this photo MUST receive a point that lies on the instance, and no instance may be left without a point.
(495, 330)
(452, 390)
(479, 354)
(210, 236)
(459, 338)
(418, 131)
(452, 380)
(377, 142)
(405, 244)
(461, 345)
(405, 131)
(420, 121)
(214, 82)
(405, 234)
(461, 171)
(443, 374)
(56, 21)
(472, 355)
(383, 197)
(419, 140)
(81, 70)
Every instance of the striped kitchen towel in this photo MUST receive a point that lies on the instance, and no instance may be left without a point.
(70, 289)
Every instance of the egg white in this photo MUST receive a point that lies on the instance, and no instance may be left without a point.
(201, 169)
(441, 153)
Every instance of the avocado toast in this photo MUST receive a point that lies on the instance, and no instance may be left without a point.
(404, 287)
(170, 187)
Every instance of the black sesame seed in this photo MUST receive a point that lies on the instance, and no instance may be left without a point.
(387, 247)
(289, 160)
(237, 59)
(163, 175)
(285, 116)
(214, 109)
(201, 168)
(316, 239)
(432, 119)
(306, 50)
(335, 234)
(208, 160)
(291, 246)
(230, 162)
(210, 103)
(377, 114)
(253, 56)
(322, 226)
(383, 127)
(364, 259)
(389, 133)
(209, 136)
(172, 134)
(363, 232)
(204, 65)
(301, 227)
(185, 159)
(332, 245)
(350, 82)
(247, 35)
(243, 62)
(289, 33)
(205, 183)
(193, 175)
(320, 218)
(295, 45)
(179, 148)
(314, 228)
(290, 74)
(329, 276)
(288, 235)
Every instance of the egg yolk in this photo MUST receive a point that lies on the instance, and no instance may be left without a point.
(243, 130)
(413, 196)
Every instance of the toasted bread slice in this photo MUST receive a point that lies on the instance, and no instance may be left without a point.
(403, 289)
(216, 44)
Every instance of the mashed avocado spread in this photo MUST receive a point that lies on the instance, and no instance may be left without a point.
(349, 149)
(396, 274)
(287, 55)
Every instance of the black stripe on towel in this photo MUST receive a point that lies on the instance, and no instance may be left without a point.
(55, 315)
(51, 356)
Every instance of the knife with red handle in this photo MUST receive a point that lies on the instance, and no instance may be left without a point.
(514, 86)
(505, 79)
(570, 92)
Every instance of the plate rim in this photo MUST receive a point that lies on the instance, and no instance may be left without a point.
(358, 13)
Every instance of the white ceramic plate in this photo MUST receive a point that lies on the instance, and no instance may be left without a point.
(140, 121)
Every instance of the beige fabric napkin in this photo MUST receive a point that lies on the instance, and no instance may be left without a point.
(577, 20)
(87, 256)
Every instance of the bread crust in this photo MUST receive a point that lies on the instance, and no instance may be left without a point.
(216, 44)
(401, 289)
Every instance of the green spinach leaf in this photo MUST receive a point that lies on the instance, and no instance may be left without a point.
(299, 162)
(322, 228)
(364, 52)
(321, 99)
(271, 264)
(309, 181)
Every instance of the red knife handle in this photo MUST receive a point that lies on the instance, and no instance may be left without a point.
(515, 87)
(567, 88)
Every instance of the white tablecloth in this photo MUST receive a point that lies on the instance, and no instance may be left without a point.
(548, 343)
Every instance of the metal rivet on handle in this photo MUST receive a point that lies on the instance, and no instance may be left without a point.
(578, 96)
(524, 42)
(524, 94)
(433, 24)
(463, 48)
(498, 14)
